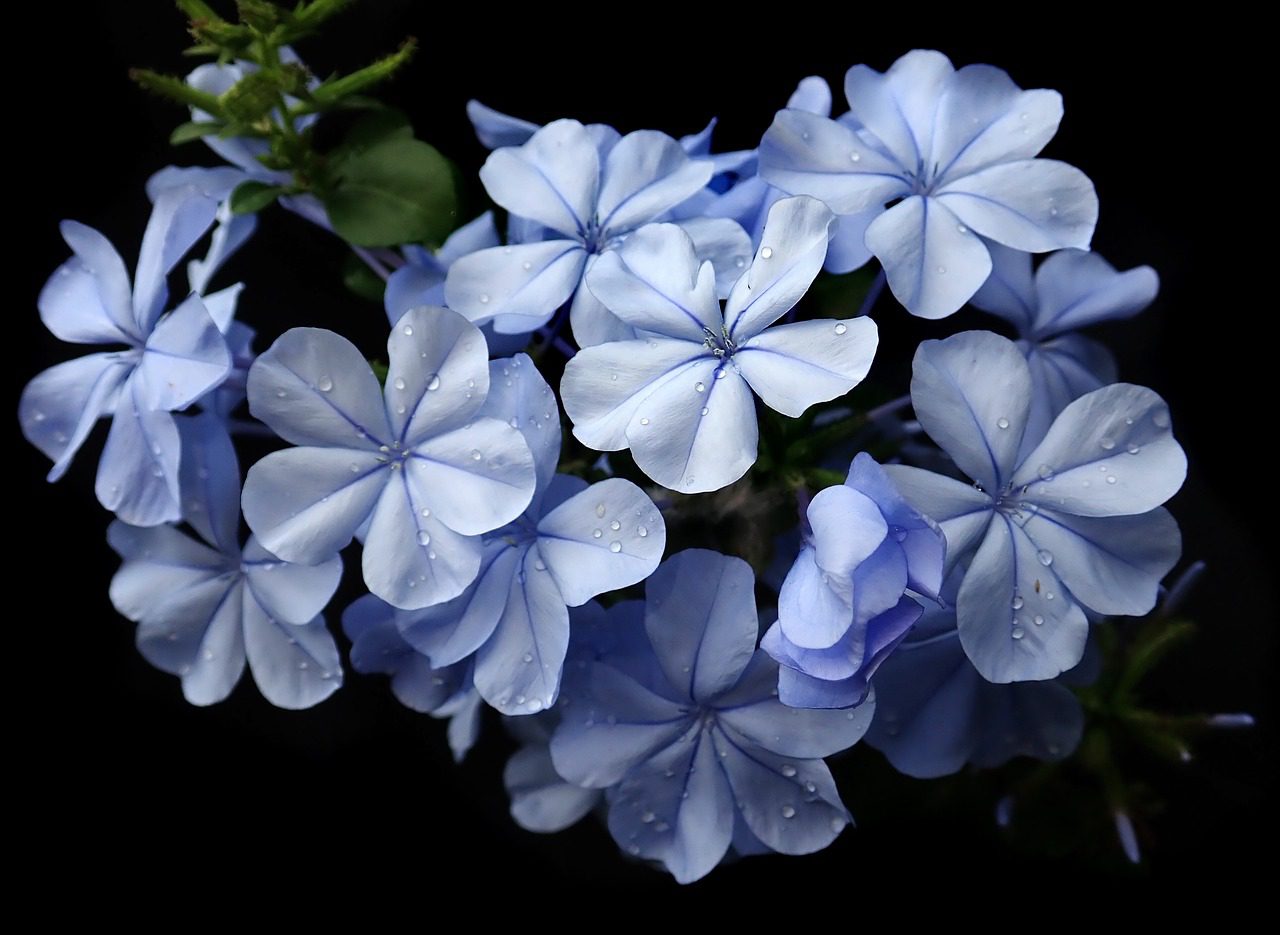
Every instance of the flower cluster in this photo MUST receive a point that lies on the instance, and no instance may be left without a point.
(939, 603)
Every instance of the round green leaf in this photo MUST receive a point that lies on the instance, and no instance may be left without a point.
(395, 192)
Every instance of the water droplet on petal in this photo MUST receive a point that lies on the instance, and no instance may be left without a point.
(644, 421)
(962, 229)
(788, 770)
(282, 394)
(739, 262)
(1017, 602)
(766, 252)
(1016, 634)
(720, 374)
(408, 331)
(788, 811)
(1038, 620)
(434, 382)
(597, 533)
(484, 298)
(526, 265)
(642, 532)
(1045, 472)
(841, 328)
(475, 454)
(528, 657)
(855, 156)
(325, 385)
(615, 546)
(705, 410)
(700, 386)
(1133, 449)
(1045, 557)
(1111, 479)
(424, 537)
(1002, 422)
(1107, 444)
(600, 509)
(615, 525)
(942, 270)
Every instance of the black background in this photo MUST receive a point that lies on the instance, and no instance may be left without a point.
(360, 793)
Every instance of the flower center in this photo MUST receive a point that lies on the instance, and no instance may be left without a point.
(720, 345)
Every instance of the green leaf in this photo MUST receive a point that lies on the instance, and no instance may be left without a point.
(381, 125)
(396, 191)
(192, 130)
(176, 90)
(361, 280)
(251, 197)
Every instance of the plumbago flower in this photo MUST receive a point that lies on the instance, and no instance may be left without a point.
(170, 360)
(1075, 523)
(954, 152)
(378, 648)
(417, 461)
(1070, 290)
(589, 191)
(421, 280)
(204, 607)
(573, 542)
(689, 738)
(935, 712)
(681, 397)
(843, 608)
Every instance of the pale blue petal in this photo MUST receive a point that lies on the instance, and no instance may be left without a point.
(590, 321)
(185, 357)
(961, 512)
(645, 174)
(138, 472)
(604, 538)
(792, 248)
(209, 479)
(552, 179)
(59, 407)
(87, 300)
(1010, 290)
(848, 248)
(230, 234)
(1032, 204)
(722, 242)
(518, 669)
(603, 386)
(305, 504)
(313, 387)
(699, 144)
(676, 808)
(412, 560)
(984, 119)
(792, 367)
(656, 283)
(518, 287)
(495, 129)
(1008, 587)
(921, 539)
(933, 262)
(475, 478)
(971, 393)
(464, 711)
(476, 234)
(198, 635)
(697, 430)
(216, 182)
(540, 800)
(452, 631)
(519, 396)
(1112, 564)
(221, 306)
(438, 374)
(753, 711)
(377, 647)
(701, 618)
(1121, 428)
(810, 611)
(805, 154)
(180, 216)
(410, 286)
(612, 726)
(813, 95)
(160, 563)
(1077, 289)
(1062, 370)
(294, 666)
(790, 805)
(899, 107)
(289, 592)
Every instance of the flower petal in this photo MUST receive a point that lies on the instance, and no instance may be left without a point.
(790, 805)
(645, 174)
(1008, 588)
(1077, 289)
(971, 393)
(438, 374)
(518, 287)
(209, 480)
(518, 668)
(724, 243)
(848, 248)
(1032, 204)
(475, 478)
(294, 666)
(961, 512)
(700, 615)
(811, 613)
(1112, 564)
(197, 634)
(495, 129)
(305, 504)
(899, 107)
(289, 592)
(59, 407)
(605, 538)
(921, 540)
(696, 431)
(552, 179)
(519, 396)
(792, 248)
(449, 632)
(591, 322)
(813, 95)
(313, 387)
(138, 472)
(1110, 452)
(1062, 370)
(655, 282)
(1010, 290)
(805, 154)
(87, 299)
(185, 357)
(933, 263)
(603, 386)
(792, 367)
(160, 563)
(540, 800)
(180, 216)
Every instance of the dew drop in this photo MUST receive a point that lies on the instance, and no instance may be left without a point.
(841, 328)
(600, 510)
(1161, 419)
(528, 657)
(434, 382)
(540, 565)
(766, 252)
(720, 374)
(1048, 595)
(837, 825)
(399, 383)
(642, 532)
(408, 331)
(282, 394)
(1133, 449)
(788, 812)
(1017, 602)
(1045, 472)
(700, 386)
(526, 265)
(705, 410)
(424, 537)
(899, 534)
(597, 533)
(1002, 422)
(475, 454)
(1107, 444)
(942, 270)
(1038, 620)
(615, 546)
(484, 298)
(644, 421)
(613, 377)
(1111, 479)
(648, 818)
(325, 385)
(425, 512)
(615, 525)
(855, 156)
(739, 262)
(962, 229)
(1045, 557)
(1017, 633)
(355, 468)
(788, 770)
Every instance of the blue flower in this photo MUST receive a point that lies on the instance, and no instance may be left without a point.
(1074, 523)
(954, 150)
(935, 712)
(170, 361)
(577, 194)
(692, 743)
(204, 607)
(378, 648)
(842, 608)
(416, 461)
(573, 542)
(1071, 289)
(681, 396)
(421, 280)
